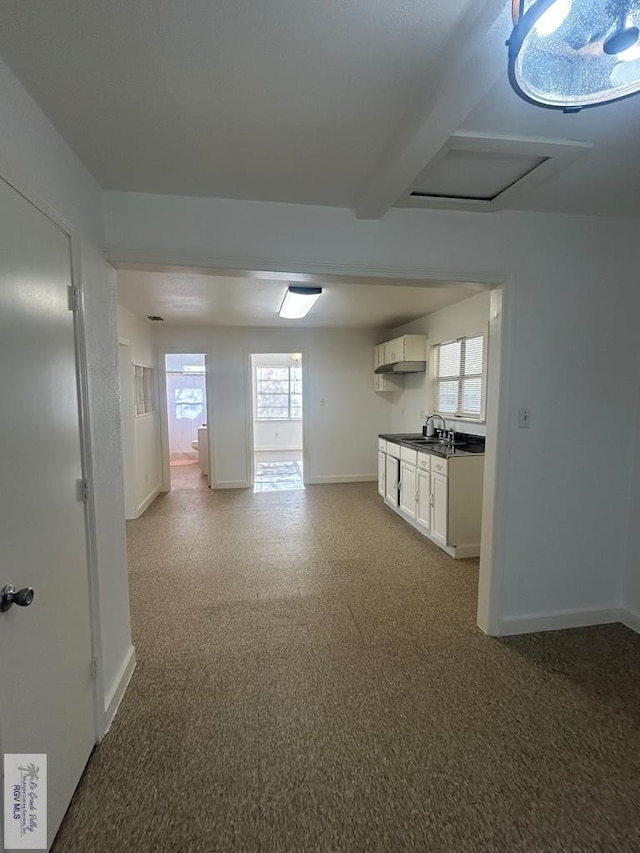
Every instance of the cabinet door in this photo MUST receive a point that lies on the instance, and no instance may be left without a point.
(382, 472)
(391, 480)
(439, 507)
(408, 488)
(393, 351)
(378, 358)
(423, 494)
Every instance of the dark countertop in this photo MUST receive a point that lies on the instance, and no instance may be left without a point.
(472, 445)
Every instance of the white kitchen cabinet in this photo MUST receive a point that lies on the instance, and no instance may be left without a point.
(439, 508)
(423, 495)
(382, 381)
(408, 488)
(442, 498)
(382, 472)
(391, 480)
(405, 348)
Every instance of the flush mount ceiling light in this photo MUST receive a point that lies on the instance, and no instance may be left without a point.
(571, 54)
(298, 301)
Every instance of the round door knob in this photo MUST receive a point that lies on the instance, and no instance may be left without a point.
(10, 596)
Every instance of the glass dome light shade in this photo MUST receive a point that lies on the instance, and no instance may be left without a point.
(557, 56)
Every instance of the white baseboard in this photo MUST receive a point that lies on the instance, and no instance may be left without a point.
(342, 478)
(231, 484)
(558, 621)
(630, 618)
(275, 448)
(146, 503)
(117, 690)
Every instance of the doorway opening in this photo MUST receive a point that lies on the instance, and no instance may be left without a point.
(277, 422)
(188, 441)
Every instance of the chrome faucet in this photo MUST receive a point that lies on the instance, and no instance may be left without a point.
(435, 415)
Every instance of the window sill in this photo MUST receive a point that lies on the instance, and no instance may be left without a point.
(460, 419)
(278, 420)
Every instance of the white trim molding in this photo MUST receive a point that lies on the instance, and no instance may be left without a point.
(558, 621)
(630, 618)
(342, 478)
(117, 690)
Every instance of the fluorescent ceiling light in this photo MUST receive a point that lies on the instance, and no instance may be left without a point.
(298, 301)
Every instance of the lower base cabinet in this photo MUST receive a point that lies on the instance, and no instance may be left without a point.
(408, 497)
(442, 498)
(382, 472)
(391, 481)
(423, 491)
(439, 508)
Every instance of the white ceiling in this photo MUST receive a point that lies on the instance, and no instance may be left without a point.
(190, 298)
(334, 103)
(272, 99)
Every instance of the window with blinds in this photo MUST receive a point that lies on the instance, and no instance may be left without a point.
(459, 377)
(278, 393)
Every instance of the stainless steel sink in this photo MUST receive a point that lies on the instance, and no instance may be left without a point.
(440, 442)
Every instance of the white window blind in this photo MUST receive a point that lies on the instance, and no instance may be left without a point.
(459, 377)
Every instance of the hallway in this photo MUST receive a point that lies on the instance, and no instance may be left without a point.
(310, 678)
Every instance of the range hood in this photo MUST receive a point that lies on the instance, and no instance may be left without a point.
(403, 367)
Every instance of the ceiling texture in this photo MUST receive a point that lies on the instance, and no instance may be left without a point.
(209, 299)
(343, 103)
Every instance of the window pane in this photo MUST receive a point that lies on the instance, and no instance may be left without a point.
(277, 373)
(449, 359)
(473, 355)
(272, 413)
(278, 400)
(471, 396)
(273, 386)
(447, 396)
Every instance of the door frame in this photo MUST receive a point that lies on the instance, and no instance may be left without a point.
(165, 468)
(17, 182)
(249, 405)
(126, 425)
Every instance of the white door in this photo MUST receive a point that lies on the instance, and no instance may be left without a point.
(391, 480)
(382, 466)
(408, 489)
(423, 492)
(47, 691)
(439, 506)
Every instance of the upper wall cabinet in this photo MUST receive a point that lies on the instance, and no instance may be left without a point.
(407, 354)
(392, 359)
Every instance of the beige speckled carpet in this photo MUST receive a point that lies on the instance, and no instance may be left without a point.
(310, 678)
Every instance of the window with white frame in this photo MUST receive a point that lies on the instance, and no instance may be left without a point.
(459, 380)
(278, 392)
(143, 389)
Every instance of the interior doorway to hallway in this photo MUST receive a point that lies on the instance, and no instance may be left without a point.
(277, 421)
(188, 443)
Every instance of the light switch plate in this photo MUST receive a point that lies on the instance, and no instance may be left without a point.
(524, 418)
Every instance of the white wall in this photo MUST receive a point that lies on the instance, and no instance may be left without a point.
(277, 435)
(146, 470)
(342, 413)
(412, 403)
(31, 148)
(571, 308)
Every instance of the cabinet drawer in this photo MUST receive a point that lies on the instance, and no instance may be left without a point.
(382, 444)
(439, 465)
(393, 449)
(408, 455)
(424, 461)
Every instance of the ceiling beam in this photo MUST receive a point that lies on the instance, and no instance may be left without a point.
(474, 60)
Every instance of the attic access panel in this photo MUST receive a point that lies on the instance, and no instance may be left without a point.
(483, 173)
